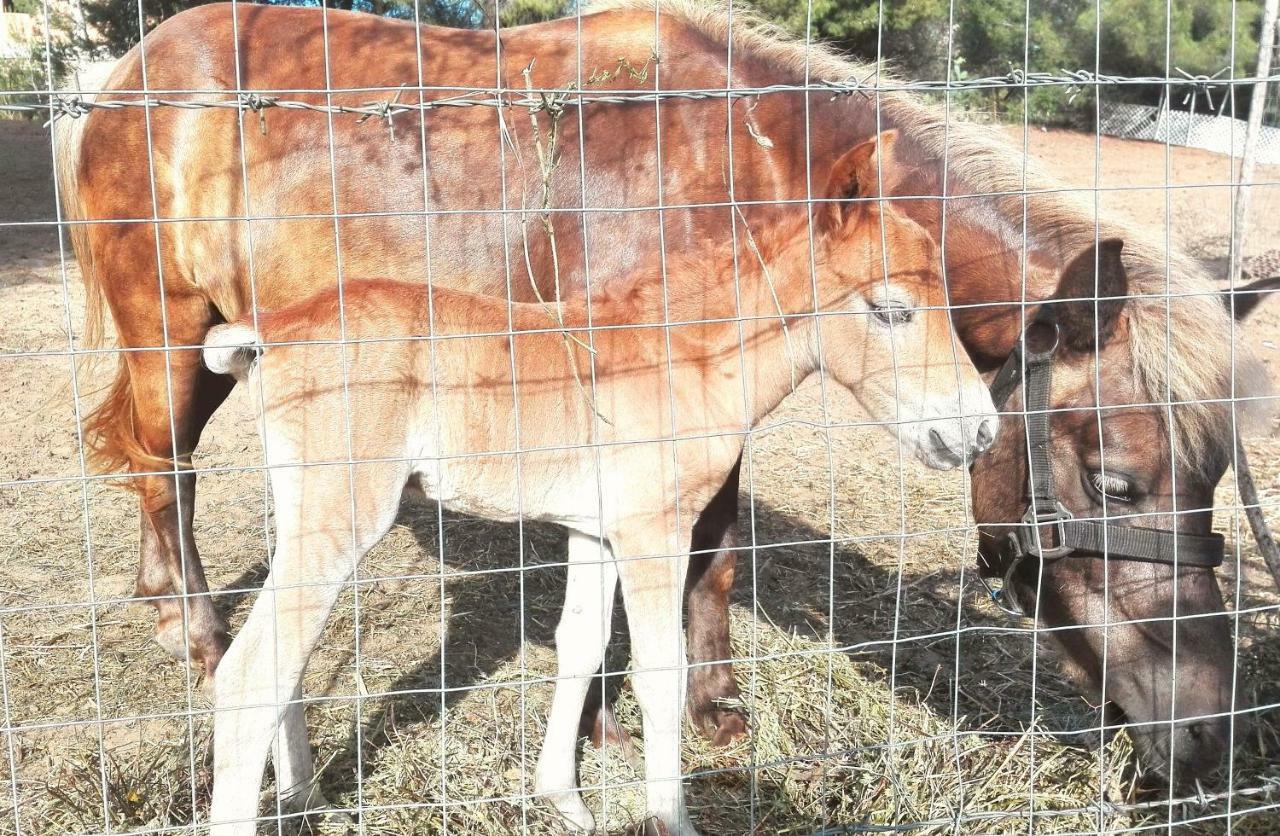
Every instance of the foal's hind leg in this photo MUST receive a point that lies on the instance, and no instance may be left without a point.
(297, 789)
(317, 548)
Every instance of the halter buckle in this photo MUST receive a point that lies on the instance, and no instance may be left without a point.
(1003, 595)
(1029, 540)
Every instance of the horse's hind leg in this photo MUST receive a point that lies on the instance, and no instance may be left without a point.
(170, 573)
(259, 681)
(151, 422)
(712, 687)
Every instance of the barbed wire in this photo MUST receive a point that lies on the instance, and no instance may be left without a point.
(76, 103)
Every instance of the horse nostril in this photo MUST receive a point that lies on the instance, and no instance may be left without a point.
(935, 438)
(1199, 747)
(984, 436)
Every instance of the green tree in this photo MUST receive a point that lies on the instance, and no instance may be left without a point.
(1149, 38)
(116, 23)
(912, 33)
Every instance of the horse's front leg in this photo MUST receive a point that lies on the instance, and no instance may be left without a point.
(581, 639)
(713, 691)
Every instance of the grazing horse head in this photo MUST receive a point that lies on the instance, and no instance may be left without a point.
(1136, 439)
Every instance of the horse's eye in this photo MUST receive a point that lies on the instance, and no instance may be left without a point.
(892, 312)
(1112, 486)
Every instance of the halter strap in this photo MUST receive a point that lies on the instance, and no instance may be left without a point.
(1049, 531)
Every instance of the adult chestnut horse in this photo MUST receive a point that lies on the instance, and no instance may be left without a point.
(252, 208)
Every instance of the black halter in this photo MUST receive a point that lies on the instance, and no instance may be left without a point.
(1048, 530)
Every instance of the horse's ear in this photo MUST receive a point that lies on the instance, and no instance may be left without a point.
(1093, 289)
(1248, 296)
(856, 175)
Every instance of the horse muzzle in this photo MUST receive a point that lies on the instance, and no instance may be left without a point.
(948, 443)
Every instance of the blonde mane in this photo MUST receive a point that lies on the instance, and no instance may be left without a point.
(1180, 333)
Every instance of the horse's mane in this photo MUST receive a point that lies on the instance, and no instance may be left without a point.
(1180, 333)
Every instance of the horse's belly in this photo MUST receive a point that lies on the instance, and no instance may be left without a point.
(506, 487)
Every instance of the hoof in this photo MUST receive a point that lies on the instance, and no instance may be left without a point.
(202, 654)
(555, 786)
(722, 726)
(604, 730)
(575, 815)
(316, 814)
(171, 636)
(653, 826)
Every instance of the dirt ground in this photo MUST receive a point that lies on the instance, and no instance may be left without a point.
(859, 710)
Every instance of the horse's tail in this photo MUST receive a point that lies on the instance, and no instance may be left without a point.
(68, 136)
(232, 349)
(111, 443)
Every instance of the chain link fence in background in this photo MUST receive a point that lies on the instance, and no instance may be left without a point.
(1212, 132)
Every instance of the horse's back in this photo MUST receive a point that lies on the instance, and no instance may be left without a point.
(419, 198)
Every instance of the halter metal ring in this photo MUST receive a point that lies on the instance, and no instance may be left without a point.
(1028, 533)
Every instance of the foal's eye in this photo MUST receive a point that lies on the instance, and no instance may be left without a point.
(895, 313)
(1112, 486)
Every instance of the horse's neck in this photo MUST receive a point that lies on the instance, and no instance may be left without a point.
(767, 345)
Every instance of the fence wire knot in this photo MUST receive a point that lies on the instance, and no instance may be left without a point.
(1199, 84)
(1080, 80)
(385, 111)
(849, 86)
(257, 103)
(73, 106)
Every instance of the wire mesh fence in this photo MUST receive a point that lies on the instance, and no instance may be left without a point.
(654, 295)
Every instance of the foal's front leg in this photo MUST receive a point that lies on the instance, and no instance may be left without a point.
(581, 639)
(652, 569)
(712, 688)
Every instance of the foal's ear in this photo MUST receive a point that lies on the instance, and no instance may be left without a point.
(859, 173)
(1094, 290)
